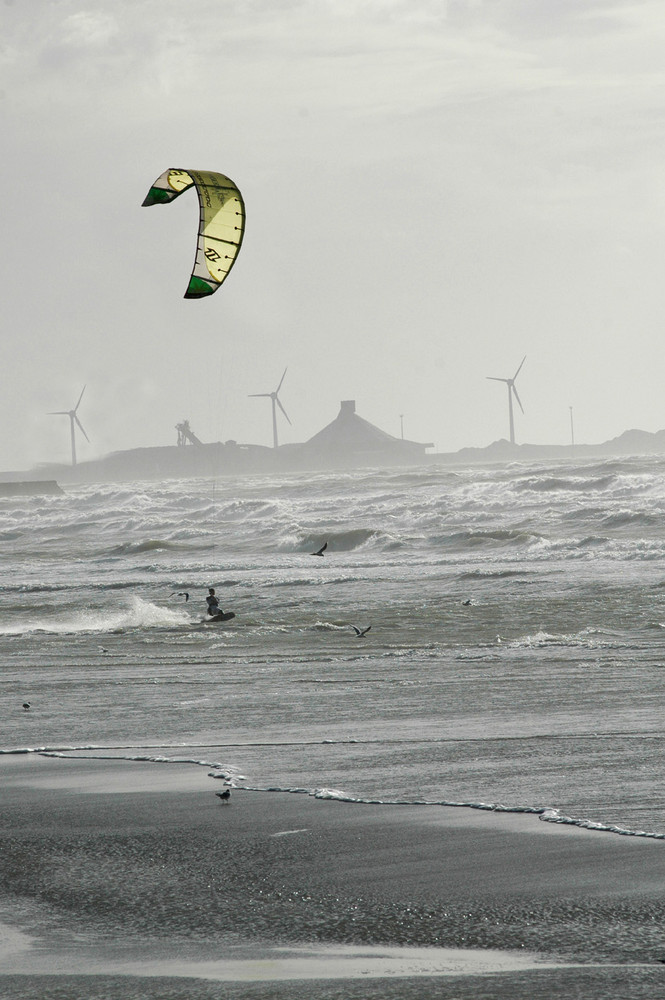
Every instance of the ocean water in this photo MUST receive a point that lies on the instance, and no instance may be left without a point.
(515, 657)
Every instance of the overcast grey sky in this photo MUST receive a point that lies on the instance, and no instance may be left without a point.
(433, 190)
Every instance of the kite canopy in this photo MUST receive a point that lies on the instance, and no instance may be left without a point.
(221, 225)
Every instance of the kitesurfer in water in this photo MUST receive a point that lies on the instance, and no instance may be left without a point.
(213, 603)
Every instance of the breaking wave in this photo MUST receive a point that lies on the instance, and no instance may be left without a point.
(138, 614)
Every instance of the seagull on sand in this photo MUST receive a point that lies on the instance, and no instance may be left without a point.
(26, 706)
(321, 550)
(360, 632)
(225, 795)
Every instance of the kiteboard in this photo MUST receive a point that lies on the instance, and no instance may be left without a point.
(223, 616)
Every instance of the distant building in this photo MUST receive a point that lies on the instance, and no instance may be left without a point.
(349, 440)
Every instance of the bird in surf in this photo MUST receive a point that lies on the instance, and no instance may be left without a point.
(181, 593)
(360, 632)
(320, 551)
(26, 706)
(225, 796)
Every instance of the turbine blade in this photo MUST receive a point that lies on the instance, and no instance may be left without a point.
(255, 395)
(58, 413)
(281, 380)
(520, 368)
(282, 408)
(81, 427)
(518, 398)
(80, 398)
(493, 378)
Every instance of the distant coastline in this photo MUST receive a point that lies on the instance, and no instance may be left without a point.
(218, 459)
(632, 442)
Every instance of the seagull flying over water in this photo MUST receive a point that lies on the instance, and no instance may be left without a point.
(181, 593)
(360, 632)
(321, 550)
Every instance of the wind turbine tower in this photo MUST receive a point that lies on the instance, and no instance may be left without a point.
(73, 419)
(274, 398)
(510, 383)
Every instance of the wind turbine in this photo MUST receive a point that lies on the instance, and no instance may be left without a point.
(510, 382)
(73, 419)
(274, 397)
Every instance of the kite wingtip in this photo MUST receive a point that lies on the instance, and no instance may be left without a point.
(198, 288)
(156, 196)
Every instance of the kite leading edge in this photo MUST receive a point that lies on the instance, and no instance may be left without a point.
(221, 223)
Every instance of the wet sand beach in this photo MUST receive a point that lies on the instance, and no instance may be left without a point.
(129, 878)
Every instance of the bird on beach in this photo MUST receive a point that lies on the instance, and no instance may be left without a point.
(103, 649)
(360, 632)
(320, 551)
(225, 795)
(26, 706)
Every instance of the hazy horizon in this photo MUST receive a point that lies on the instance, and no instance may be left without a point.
(433, 190)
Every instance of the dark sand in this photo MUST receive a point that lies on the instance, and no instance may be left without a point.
(129, 879)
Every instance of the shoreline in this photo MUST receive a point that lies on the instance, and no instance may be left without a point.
(289, 886)
(140, 773)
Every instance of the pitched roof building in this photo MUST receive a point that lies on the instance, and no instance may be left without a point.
(351, 440)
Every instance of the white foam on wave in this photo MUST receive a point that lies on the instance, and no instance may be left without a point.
(136, 613)
(554, 816)
(225, 772)
(331, 793)
(587, 638)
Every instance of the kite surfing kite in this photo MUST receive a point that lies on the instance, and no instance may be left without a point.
(221, 223)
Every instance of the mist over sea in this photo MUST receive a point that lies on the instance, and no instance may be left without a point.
(515, 657)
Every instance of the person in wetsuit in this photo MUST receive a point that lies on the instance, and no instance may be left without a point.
(213, 603)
